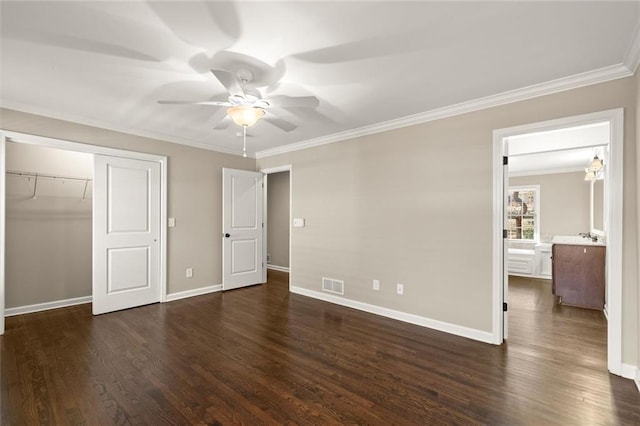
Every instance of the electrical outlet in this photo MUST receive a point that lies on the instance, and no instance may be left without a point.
(400, 289)
(189, 272)
(376, 284)
(172, 222)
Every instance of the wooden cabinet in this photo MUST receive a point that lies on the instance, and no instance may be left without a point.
(578, 275)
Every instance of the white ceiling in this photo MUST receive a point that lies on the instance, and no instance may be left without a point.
(558, 151)
(108, 63)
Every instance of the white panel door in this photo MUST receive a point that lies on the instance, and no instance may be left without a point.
(242, 228)
(126, 233)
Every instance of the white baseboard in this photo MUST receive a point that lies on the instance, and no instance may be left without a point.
(278, 268)
(38, 307)
(606, 312)
(628, 371)
(457, 330)
(542, 277)
(539, 277)
(631, 372)
(191, 293)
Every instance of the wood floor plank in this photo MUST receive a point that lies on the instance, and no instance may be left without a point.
(261, 355)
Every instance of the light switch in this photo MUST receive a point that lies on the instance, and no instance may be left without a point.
(298, 222)
(172, 222)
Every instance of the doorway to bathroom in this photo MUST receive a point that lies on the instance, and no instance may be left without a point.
(544, 195)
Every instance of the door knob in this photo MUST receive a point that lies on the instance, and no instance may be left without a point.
(227, 235)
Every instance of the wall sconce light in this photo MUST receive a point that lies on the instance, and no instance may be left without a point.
(594, 170)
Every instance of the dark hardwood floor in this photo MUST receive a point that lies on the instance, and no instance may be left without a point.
(260, 355)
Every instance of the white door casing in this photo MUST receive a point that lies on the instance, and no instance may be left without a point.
(2, 227)
(242, 228)
(505, 248)
(126, 233)
(266, 172)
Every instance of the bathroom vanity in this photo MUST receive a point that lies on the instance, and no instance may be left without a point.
(578, 271)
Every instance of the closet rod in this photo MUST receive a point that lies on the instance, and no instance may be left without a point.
(44, 175)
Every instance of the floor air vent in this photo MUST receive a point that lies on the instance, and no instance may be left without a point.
(333, 286)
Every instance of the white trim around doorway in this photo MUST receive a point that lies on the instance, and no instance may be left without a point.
(614, 180)
(25, 138)
(2, 228)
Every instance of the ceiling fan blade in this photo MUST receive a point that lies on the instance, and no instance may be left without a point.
(86, 45)
(223, 124)
(217, 117)
(226, 16)
(78, 27)
(282, 101)
(213, 103)
(229, 81)
(407, 41)
(307, 115)
(206, 25)
(280, 123)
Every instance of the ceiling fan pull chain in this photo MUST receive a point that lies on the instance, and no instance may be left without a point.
(244, 143)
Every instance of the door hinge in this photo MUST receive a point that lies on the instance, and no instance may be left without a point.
(505, 161)
(504, 306)
(504, 233)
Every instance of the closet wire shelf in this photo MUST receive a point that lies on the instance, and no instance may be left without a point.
(37, 176)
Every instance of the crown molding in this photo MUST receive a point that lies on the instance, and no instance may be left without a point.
(554, 86)
(18, 106)
(632, 58)
(626, 69)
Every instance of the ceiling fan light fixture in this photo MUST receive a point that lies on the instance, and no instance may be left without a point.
(245, 116)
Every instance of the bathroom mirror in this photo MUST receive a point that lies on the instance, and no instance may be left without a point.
(597, 206)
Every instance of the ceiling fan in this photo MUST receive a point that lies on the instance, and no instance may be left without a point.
(245, 104)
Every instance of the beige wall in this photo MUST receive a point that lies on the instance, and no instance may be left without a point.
(414, 205)
(278, 218)
(48, 239)
(598, 204)
(194, 192)
(564, 202)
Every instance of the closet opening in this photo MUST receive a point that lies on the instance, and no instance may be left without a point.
(80, 223)
(48, 248)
